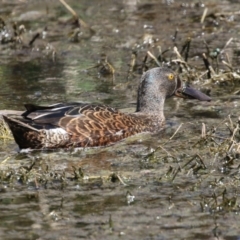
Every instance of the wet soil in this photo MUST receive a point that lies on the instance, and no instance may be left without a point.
(180, 184)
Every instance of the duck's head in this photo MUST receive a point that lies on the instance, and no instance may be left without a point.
(160, 83)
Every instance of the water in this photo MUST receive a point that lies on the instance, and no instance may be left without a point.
(186, 189)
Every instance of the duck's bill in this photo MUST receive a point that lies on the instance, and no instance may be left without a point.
(191, 93)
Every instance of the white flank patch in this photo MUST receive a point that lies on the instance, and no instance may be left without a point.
(119, 133)
(26, 150)
(58, 131)
(54, 137)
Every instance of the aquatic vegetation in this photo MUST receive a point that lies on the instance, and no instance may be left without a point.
(5, 133)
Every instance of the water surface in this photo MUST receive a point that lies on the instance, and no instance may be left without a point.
(187, 189)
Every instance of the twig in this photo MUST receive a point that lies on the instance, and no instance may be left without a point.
(5, 160)
(226, 13)
(201, 160)
(176, 131)
(177, 53)
(175, 174)
(69, 9)
(175, 37)
(200, 76)
(165, 150)
(82, 23)
(204, 15)
(133, 62)
(187, 47)
(203, 130)
(208, 66)
(121, 181)
(234, 132)
(227, 43)
(35, 37)
(154, 58)
(230, 120)
(36, 183)
(228, 65)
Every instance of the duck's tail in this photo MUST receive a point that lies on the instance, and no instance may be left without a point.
(25, 135)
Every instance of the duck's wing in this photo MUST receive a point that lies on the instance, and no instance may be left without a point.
(95, 125)
(80, 119)
(52, 114)
(48, 114)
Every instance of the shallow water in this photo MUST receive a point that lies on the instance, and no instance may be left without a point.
(166, 194)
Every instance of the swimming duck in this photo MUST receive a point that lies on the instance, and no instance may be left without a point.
(67, 125)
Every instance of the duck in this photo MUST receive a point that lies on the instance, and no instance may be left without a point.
(78, 124)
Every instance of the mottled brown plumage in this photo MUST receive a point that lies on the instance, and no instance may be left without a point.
(86, 125)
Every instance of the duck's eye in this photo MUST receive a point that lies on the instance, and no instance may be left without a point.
(170, 76)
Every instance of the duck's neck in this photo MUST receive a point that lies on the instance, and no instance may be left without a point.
(152, 106)
(151, 97)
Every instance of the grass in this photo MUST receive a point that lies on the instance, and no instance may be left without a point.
(5, 132)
